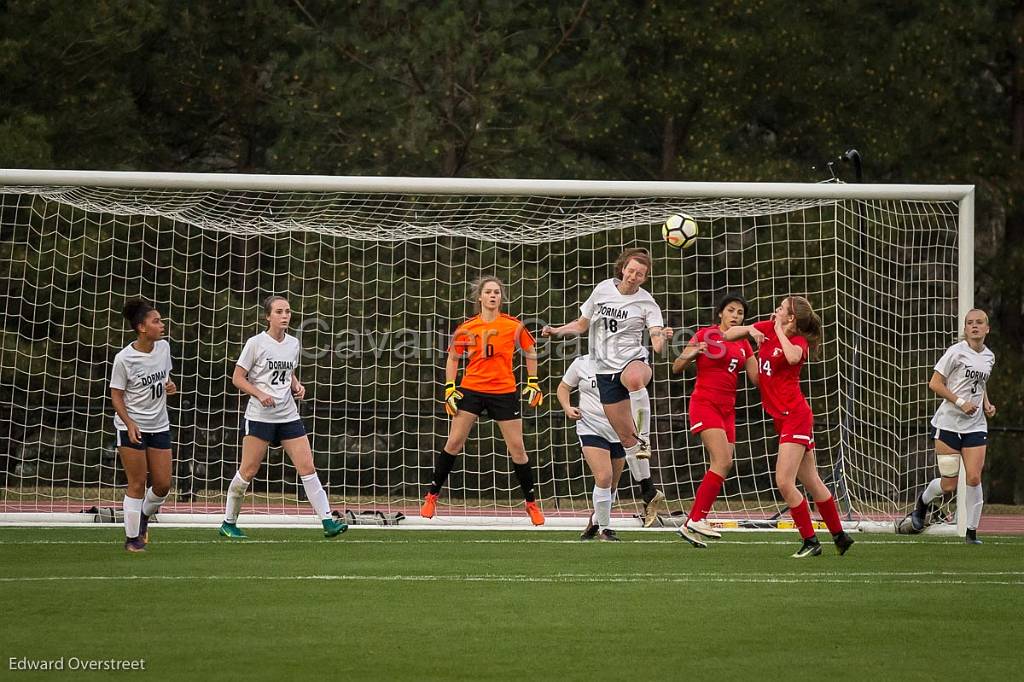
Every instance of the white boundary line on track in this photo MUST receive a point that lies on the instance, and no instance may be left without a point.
(348, 540)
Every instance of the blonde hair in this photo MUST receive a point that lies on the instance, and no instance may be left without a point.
(642, 256)
(808, 324)
(476, 289)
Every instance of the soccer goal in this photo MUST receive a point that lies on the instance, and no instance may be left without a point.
(376, 270)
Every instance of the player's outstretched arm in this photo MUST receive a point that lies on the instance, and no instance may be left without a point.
(576, 328)
(687, 356)
(742, 331)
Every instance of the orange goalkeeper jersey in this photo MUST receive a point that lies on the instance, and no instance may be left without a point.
(489, 348)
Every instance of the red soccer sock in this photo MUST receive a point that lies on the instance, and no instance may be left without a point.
(802, 518)
(830, 515)
(707, 493)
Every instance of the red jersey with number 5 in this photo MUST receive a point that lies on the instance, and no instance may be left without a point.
(489, 348)
(719, 368)
(780, 381)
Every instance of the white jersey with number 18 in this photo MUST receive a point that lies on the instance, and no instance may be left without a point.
(617, 324)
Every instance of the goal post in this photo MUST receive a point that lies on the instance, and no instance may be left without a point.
(376, 270)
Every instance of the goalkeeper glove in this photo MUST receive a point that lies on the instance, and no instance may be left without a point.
(534, 396)
(451, 398)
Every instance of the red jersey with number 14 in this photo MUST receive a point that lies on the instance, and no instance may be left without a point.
(780, 381)
(719, 368)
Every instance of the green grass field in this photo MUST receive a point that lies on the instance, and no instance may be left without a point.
(404, 604)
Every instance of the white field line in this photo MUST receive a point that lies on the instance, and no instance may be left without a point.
(938, 578)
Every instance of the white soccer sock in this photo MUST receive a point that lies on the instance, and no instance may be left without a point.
(640, 406)
(639, 469)
(132, 516)
(317, 496)
(975, 501)
(236, 491)
(933, 490)
(602, 507)
(151, 503)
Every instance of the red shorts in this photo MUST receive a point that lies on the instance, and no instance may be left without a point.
(796, 427)
(708, 413)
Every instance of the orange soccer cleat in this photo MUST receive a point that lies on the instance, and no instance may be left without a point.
(536, 515)
(429, 506)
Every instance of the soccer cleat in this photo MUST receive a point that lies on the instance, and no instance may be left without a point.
(645, 448)
(144, 529)
(691, 537)
(333, 528)
(704, 528)
(811, 547)
(917, 516)
(590, 532)
(972, 537)
(608, 535)
(230, 530)
(843, 542)
(536, 515)
(429, 506)
(651, 508)
(134, 544)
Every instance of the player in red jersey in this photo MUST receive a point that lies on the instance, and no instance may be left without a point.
(488, 342)
(713, 405)
(783, 346)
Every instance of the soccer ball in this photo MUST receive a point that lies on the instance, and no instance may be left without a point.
(680, 231)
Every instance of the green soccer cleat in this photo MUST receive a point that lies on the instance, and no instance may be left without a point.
(333, 528)
(230, 530)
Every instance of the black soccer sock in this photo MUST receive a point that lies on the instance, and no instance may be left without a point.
(647, 489)
(525, 475)
(443, 465)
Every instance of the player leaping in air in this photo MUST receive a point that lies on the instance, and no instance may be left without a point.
(616, 315)
(488, 342)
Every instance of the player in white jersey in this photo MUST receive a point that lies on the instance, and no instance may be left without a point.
(602, 450)
(266, 372)
(960, 425)
(616, 315)
(140, 382)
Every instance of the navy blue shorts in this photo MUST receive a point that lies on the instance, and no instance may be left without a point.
(959, 441)
(615, 449)
(273, 433)
(161, 440)
(501, 406)
(610, 387)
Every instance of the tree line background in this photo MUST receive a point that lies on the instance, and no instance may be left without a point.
(928, 91)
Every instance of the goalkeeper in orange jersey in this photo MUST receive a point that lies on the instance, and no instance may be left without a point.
(488, 341)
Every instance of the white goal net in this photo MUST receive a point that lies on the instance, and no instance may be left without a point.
(376, 272)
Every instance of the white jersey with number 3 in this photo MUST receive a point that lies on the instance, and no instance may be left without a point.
(593, 422)
(967, 373)
(617, 324)
(270, 365)
(142, 377)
